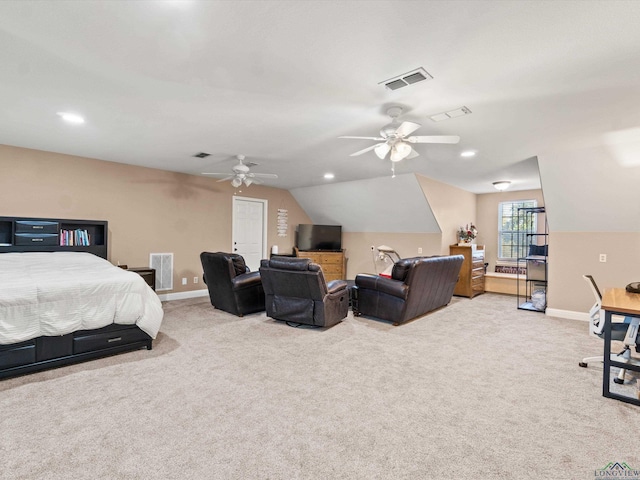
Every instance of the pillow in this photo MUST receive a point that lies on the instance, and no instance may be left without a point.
(401, 269)
(238, 265)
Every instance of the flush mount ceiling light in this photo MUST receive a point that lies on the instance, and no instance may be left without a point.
(468, 154)
(502, 185)
(329, 176)
(71, 117)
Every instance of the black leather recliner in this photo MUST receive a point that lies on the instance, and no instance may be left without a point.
(232, 287)
(417, 285)
(296, 291)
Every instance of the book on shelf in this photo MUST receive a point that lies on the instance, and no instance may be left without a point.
(78, 238)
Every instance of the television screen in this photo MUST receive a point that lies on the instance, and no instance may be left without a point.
(319, 237)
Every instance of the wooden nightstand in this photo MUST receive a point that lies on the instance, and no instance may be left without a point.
(148, 274)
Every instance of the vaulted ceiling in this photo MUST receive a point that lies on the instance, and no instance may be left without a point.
(279, 81)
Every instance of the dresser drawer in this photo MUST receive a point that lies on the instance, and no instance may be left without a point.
(477, 282)
(332, 259)
(34, 226)
(18, 354)
(48, 239)
(331, 269)
(87, 340)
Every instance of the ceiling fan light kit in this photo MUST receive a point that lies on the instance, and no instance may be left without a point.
(394, 138)
(242, 174)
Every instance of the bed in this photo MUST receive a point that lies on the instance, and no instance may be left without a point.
(63, 307)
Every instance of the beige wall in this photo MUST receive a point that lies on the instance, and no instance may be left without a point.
(488, 219)
(452, 208)
(148, 210)
(573, 254)
(358, 247)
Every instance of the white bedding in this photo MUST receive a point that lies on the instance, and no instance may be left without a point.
(60, 292)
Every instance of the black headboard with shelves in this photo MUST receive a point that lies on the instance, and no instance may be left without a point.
(24, 234)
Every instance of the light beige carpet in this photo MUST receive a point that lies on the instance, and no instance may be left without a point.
(477, 390)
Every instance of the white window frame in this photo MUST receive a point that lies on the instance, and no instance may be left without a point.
(517, 235)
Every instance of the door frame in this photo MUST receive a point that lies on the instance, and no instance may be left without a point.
(265, 211)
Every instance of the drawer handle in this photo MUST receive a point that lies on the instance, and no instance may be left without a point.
(36, 239)
(37, 227)
(116, 339)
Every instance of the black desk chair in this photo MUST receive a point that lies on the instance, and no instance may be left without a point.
(626, 331)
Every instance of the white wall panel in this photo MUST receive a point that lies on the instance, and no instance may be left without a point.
(382, 204)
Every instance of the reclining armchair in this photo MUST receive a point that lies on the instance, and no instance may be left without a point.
(232, 287)
(296, 292)
(417, 285)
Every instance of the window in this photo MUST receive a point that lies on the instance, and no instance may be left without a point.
(513, 226)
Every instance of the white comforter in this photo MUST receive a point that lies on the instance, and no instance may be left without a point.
(61, 292)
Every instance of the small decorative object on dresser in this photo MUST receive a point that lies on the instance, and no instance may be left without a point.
(467, 233)
(471, 279)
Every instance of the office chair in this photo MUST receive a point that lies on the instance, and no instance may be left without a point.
(626, 331)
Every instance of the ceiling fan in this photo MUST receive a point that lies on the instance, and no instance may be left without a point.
(241, 174)
(396, 139)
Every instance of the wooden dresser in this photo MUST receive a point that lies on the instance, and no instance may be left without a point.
(334, 264)
(471, 280)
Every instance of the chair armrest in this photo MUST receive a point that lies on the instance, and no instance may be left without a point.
(389, 286)
(246, 280)
(336, 285)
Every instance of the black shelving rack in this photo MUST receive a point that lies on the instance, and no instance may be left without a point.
(533, 295)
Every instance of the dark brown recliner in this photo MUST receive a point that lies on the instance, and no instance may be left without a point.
(296, 292)
(232, 287)
(417, 285)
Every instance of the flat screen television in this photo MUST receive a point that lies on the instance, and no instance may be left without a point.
(319, 237)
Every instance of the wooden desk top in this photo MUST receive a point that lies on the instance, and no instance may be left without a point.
(619, 300)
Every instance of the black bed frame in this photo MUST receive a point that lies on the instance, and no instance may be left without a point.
(44, 352)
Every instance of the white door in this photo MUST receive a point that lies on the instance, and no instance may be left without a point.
(250, 230)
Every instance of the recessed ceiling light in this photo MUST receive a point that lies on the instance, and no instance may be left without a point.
(468, 153)
(71, 117)
(329, 176)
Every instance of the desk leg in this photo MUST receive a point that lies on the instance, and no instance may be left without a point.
(607, 354)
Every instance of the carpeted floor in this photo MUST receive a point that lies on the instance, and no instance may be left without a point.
(477, 390)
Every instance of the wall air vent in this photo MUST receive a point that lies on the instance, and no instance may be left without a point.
(458, 112)
(163, 264)
(202, 155)
(406, 79)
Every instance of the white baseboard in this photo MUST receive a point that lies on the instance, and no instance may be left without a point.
(554, 312)
(167, 297)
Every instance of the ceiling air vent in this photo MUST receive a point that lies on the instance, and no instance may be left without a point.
(406, 79)
(458, 112)
(202, 155)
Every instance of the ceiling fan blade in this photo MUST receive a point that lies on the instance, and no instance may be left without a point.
(216, 173)
(434, 139)
(226, 178)
(262, 175)
(365, 150)
(378, 139)
(407, 128)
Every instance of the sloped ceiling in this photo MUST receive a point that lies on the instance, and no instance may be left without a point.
(280, 81)
(374, 205)
(593, 188)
